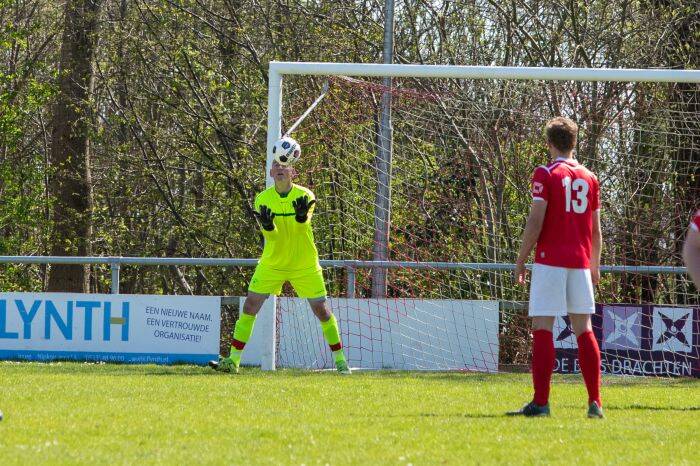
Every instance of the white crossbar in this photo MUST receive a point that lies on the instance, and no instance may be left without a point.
(485, 72)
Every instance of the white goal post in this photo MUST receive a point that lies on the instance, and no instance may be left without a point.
(457, 327)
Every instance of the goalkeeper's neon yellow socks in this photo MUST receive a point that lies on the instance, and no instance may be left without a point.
(338, 356)
(235, 356)
(241, 334)
(332, 336)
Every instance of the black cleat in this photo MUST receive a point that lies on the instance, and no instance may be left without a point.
(595, 411)
(531, 410)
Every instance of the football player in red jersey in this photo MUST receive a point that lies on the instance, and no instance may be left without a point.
(564, 225)
(691, 250)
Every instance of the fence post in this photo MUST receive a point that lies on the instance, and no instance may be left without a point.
(115, 266)
(350, 271)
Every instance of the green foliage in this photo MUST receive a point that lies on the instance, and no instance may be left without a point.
(26, 93)
(179, 111)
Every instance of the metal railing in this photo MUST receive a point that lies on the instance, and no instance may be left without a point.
(350, 266)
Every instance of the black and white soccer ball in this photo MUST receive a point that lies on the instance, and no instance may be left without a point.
(286, 151)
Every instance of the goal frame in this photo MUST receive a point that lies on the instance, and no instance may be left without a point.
(277, 71)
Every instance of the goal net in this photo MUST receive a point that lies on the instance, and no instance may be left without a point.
(442, 199)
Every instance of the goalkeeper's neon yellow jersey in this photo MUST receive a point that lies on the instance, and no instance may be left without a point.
(290, 246)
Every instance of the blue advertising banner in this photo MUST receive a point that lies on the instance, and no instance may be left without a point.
(651, 340)
(110, 328)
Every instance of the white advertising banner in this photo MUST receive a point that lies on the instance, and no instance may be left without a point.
(109, 327)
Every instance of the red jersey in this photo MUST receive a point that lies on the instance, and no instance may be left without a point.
(695, 224)
(572, 194)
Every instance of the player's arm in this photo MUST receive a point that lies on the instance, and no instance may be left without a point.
(596, 248)
(533, 227)
(691, 254)
(596, 232)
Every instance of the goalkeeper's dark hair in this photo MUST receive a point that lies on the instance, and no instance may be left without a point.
(561, 132)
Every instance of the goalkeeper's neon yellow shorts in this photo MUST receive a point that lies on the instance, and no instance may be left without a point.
(307, 283)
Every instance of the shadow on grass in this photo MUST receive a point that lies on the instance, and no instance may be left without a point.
(455, 377)
(653, 408)
(438, 416)
(631, 381)
(463, 415)
(104, 369)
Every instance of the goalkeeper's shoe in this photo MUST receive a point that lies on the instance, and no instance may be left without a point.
(595, 411)
(342, 367)
(531, 410)
(224, 365)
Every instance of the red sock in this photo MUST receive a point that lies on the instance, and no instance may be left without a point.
(542, 364)
(589, 358)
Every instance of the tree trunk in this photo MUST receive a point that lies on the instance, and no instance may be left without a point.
(70, 146)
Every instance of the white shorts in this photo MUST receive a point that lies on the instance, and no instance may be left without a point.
(557, 291)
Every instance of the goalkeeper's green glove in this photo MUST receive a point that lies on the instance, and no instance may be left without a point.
(266, 218)
(301, 208)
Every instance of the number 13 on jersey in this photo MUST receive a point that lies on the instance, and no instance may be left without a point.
(576, 194)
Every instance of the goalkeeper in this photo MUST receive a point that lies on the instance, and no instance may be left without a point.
(284, 212)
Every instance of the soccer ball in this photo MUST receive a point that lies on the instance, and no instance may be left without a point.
(286, 151)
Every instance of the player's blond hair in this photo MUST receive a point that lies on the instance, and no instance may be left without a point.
(561, 133)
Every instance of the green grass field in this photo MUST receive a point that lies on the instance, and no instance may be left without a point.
(68, 413)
